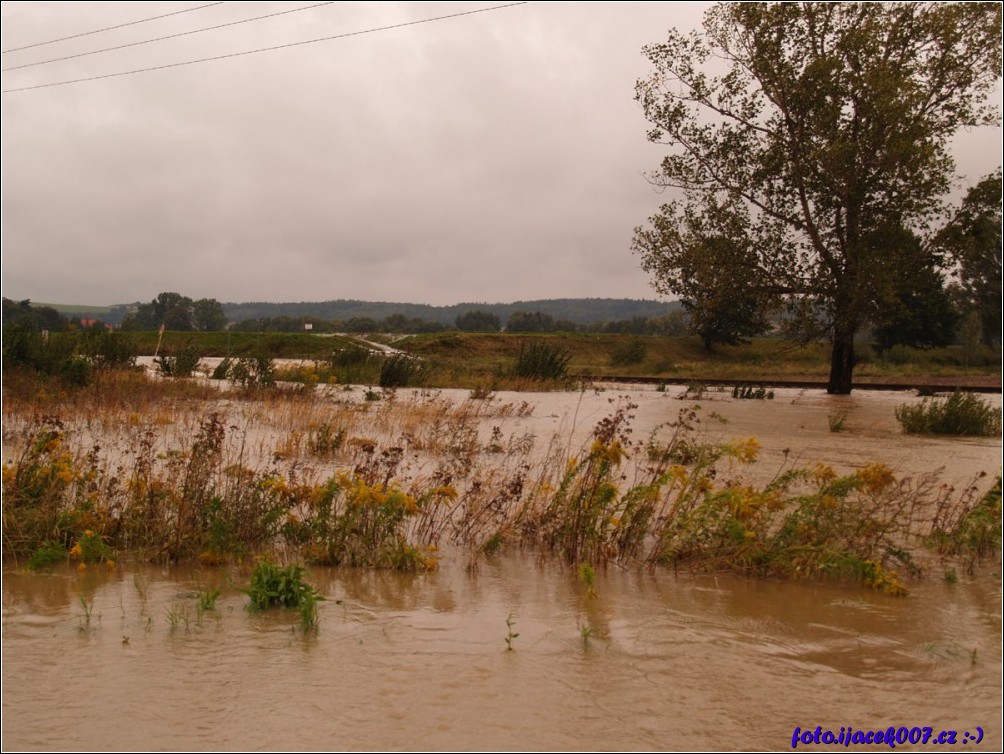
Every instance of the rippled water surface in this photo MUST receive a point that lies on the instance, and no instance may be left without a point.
(653, 662)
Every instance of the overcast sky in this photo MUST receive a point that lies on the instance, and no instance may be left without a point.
(492, 157)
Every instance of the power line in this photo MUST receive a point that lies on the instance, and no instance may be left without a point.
(266, 49)
(109, 28)
(169, 36)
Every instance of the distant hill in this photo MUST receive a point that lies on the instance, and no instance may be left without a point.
(582, 311)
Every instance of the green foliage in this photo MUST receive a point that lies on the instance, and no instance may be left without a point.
(273, 586)
(208, 315)
(478, 321)
(28, 349)
(34, 317)
(206, 600)
(358, 521)
(222, 370)
(541, 361)
(752, 393)
(109, 350)
(90, 548)
(587, 575)
(836, 422)
(815, 132)
(253, 372)
(351, 355)
(307, 609)
(587, 518)
(913, 306)
(76, 371)
(973, 240)
(47, 555)
(178, 313)
(961, 414)
(520, 321)
(401, 370)
(181, 363)
(355, 364)
(38, 492)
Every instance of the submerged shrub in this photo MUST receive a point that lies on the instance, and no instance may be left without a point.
(963, 414)
(253, 372)
(541, 361)
(752, 392)
(181, 363)
(972, 529)
(222, 370)
(109, 350)
(356, 521)
(47, 555)
(401, 370)
(272, 586)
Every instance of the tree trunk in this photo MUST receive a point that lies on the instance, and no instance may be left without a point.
(841, 363)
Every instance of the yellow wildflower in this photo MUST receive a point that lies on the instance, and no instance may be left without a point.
(876, 477)
(823, 473)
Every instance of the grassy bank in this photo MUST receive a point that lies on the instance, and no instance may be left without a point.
(461, 358)
(471, 360)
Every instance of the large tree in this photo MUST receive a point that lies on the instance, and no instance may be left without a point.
(813, 128)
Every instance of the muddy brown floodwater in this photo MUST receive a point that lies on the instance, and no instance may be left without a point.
(123, 659)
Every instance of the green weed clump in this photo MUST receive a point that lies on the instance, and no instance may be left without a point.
(48, 555)
(836, 422)
(752, 392)
(963, 414)
(541, 361)
(272, 586)
(401, 370)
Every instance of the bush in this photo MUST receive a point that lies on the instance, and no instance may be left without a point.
(222, 370)
(272, 586)
(354, 365)
(253, 372)
(181, 363)
(962, 414)
(76, 371)
(541, 361)
(109, 350)
(400, 370)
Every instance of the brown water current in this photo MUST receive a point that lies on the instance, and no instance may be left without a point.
(123, 659)
(655, 661)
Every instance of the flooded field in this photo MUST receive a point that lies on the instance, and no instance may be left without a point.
(657, 659)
